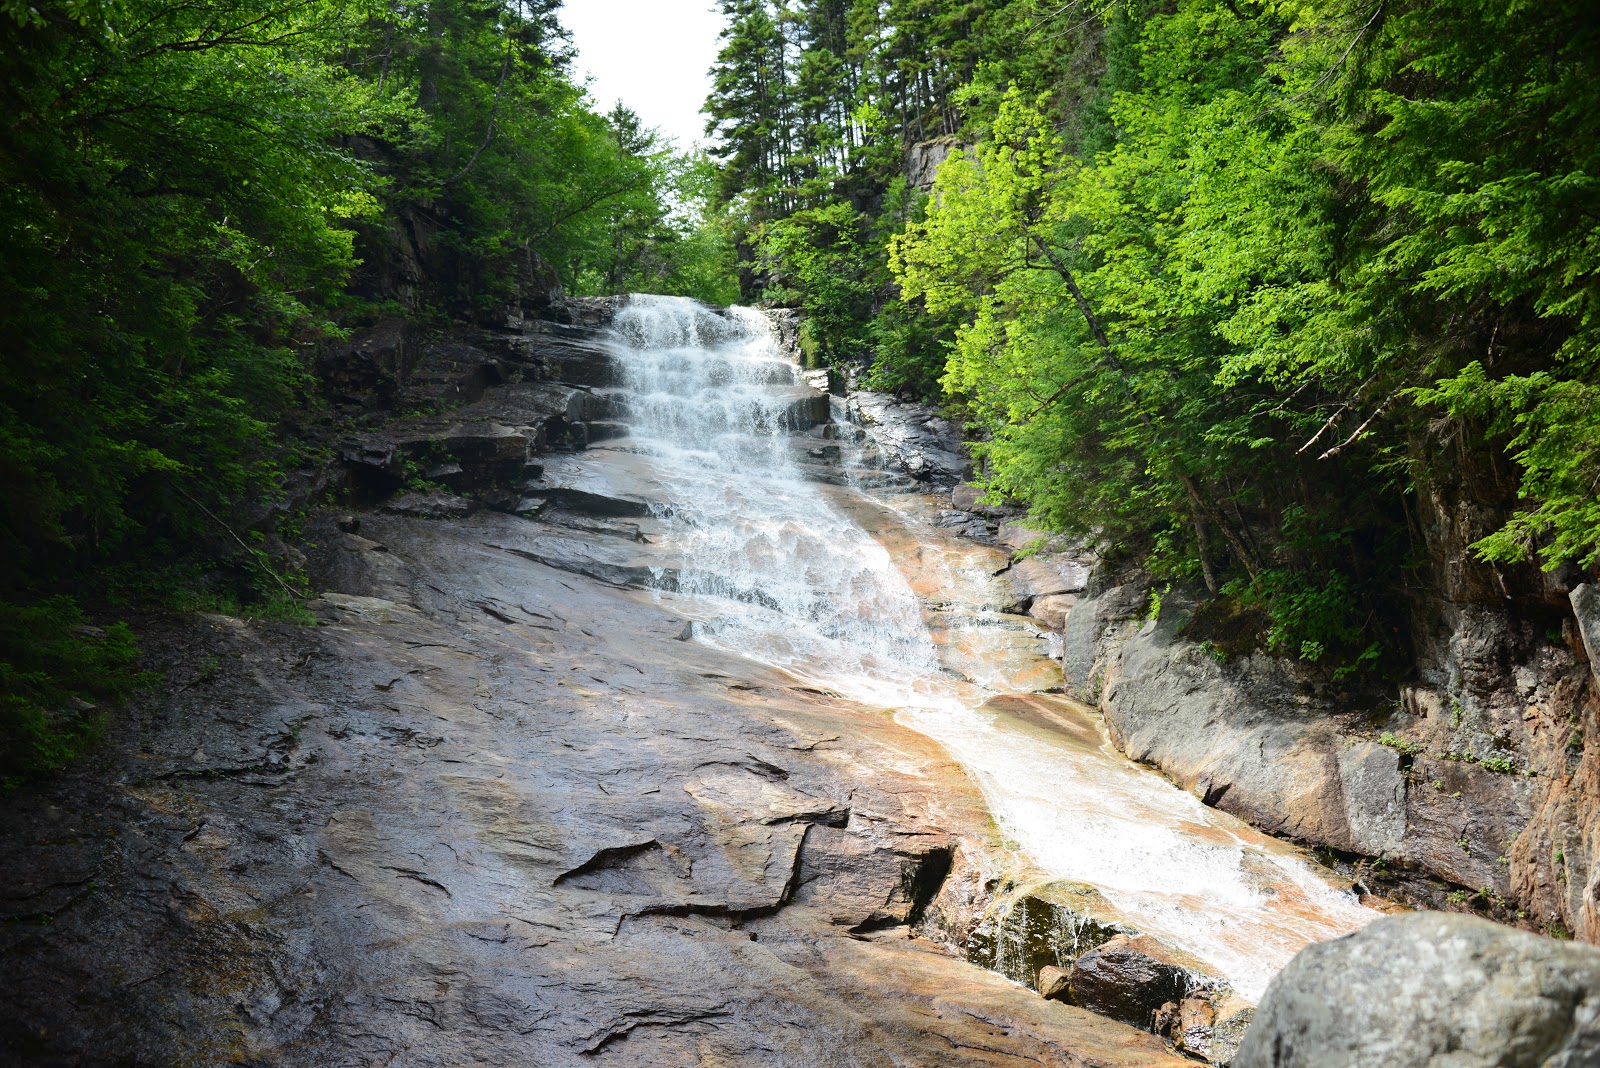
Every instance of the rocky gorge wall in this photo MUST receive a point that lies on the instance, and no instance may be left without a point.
(500, 805)
(1475, 784)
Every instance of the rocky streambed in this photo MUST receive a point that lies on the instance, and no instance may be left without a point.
(539, 790)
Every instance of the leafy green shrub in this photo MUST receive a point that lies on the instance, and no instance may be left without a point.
(821, 259)
(56, 671)
(273, 606)
(1309, 616)
(1403, 746)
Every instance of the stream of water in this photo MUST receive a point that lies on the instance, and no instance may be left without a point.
(787, 572)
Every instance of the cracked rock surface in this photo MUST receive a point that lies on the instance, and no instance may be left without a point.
(494, 812)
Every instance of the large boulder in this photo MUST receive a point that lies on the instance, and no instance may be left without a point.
(1262, 738)
(1431, 989)
(1052, 610)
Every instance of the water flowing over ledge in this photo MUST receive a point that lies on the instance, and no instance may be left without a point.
(853, 589)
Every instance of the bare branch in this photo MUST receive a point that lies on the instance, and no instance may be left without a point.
(1379, 410)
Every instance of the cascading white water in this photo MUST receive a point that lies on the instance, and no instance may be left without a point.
(791, 579)
(710, 398)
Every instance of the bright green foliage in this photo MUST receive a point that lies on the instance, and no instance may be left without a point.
(814, 103)
(1308, 222)
(1224, 283)
(1492, 162)
(665, 234)
(820, 259)
(1553, 426)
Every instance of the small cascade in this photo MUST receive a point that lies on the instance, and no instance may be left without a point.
(865, 597)
(1050, 923)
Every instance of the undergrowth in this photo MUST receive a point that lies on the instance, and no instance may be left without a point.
(57, 674)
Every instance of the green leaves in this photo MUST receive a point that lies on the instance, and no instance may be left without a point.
(1199, 270)
(174, 208)
(1552, 427)
(821, 259)
(55, 671)
(186, 189)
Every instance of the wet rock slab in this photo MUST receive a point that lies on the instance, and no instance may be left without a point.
(1129, 978)
(493, 812)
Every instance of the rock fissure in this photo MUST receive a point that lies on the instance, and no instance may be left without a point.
(650, 1019)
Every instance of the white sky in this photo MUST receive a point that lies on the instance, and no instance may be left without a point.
(653, 55)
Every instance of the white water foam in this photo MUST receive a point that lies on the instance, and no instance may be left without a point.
(795, 582)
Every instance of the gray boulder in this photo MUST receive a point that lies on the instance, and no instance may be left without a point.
(1431, 989)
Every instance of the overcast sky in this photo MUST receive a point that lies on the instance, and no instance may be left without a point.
(652, 55)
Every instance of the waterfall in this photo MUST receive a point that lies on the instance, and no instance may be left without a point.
(713, 402)
(785, 574)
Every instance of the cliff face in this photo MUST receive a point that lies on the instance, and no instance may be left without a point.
(1472, 782)
(1476, 782)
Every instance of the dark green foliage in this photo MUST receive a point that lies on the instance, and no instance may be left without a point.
(55, 673)
(815, 103)
(665, 236)
(186, 192)
(819, 259)
(169, 199)
(495, 164)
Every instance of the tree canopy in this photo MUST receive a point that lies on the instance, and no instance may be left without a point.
(1249, 290)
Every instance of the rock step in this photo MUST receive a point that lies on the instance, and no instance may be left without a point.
(1065, 941)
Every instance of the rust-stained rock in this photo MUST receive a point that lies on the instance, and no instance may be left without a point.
(1195, 1020)
(1055, 984)
(1052, 609)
